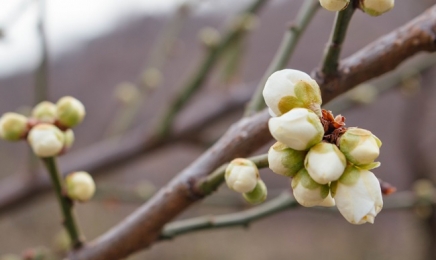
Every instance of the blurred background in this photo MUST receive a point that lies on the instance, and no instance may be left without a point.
(98, 51)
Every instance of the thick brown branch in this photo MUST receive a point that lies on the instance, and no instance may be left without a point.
(143, 226)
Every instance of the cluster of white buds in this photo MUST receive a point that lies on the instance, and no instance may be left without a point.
(242, 176)
(371, 7)
(48, 129)
(329, 163)
(80, 186)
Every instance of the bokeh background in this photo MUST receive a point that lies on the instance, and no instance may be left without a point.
(96, 45)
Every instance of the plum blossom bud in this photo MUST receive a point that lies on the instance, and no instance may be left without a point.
(45, 112)
(209, 36)
(69, 111)
(376, 7)
(299, 129)
(46, 140)
(358, 195)
(13, 126)
(258, 194)
(127, 92)
(284, 160)
(334, 5)
(359, 146)
(310, 193)
(288, 89)
(325, 163)
(68, 138)
(242, 175)
(80, 186)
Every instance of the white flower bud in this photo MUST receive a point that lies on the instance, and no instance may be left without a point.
(80, 186)
(45, 112)
(288, 89)
(209, 36)
(299, 129)
(13, 126)
(325, 163)
(46, 140)
(358, 195)
(310, 193)
(376, 7)
(334, 5)
(258, 194)
(127, 92)
(284, 160)
(68, 138)
(359, 146)
(242, 175)
(69, 111)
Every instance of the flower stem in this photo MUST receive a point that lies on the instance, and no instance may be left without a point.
(64, 202)
(284, 53)
(332, 52)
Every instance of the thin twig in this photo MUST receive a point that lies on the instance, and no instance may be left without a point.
(200, 75)
(284, 52)
(282, 202)
(332, 52)
(64, 202)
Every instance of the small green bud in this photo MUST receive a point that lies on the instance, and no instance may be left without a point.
(334, 5)
(376, 7)
(359, 146)
(258, 194)
(45, 112)
(46, 140)
(284, 160)
(241, 175)
(13, 126)
(68, 138)
(69, 111)
(80, 186)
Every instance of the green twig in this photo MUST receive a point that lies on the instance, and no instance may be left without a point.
(64, 202)
(214, 180)
(282, 202)
(332, 52)
(203, 70)
(285, 51)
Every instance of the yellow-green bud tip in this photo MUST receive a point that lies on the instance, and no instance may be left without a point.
(80, 186)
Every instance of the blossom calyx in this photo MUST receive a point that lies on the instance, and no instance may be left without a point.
(46, 140)
(13, 126)
(241, 175)
(299, 129)
(325, 163)
(334, 5)
(309, 193)
(44, 112)
(70, 111)
(258, 194)
(284, 160)
(359, 146)
(358, 195)
(80, 186)
(376, 7)
(288, 89)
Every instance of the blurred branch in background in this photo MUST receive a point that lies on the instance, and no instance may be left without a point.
(284, 52)
(13, 17)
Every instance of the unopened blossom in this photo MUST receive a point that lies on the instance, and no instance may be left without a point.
(376, 7)
(325, 163)
(358, 195)
(334, 5)
(46, 140)
(13, 126)
(284, 160)
(241, 175)
(309, 193)
(45, 112)
(287, 89)
(258, 194)
(359, 146)
(68, 138)
(69, 111)
(80, 186)
(299, 129)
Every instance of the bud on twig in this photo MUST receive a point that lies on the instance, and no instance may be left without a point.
(284, 160)
(69, 111)
(242, 175)
(45, 112)
(13, 126)
(360, 146)
(334, 5)
(46, 140)
(376, 7)
(258, 194)
(80, 186)
(310, 193)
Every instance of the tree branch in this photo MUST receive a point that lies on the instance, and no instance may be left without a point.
(144, 225)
